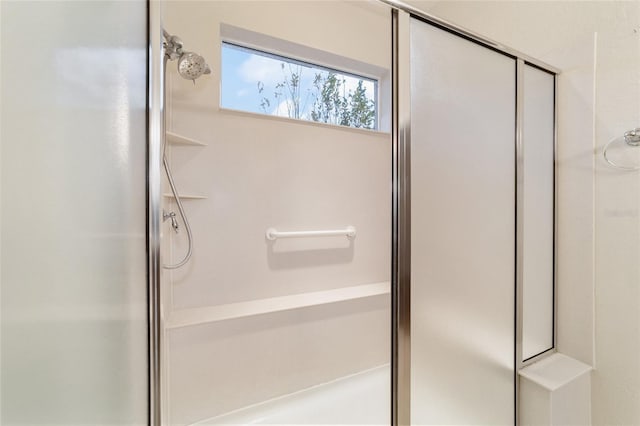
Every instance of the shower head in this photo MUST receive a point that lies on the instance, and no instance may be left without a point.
(190, 65)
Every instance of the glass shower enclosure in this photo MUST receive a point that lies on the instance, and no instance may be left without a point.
(73, 335)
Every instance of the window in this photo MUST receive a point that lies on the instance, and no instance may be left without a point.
(266, 83)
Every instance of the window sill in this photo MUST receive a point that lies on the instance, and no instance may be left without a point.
(370, 132)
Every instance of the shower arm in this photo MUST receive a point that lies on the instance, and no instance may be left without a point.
(172, 46)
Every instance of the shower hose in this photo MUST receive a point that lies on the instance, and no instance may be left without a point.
(183, 216)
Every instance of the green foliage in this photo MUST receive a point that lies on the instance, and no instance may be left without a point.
(361, 109)
(288, 90)
(331, 101)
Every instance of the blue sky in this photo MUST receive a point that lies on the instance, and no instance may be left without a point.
(237, 93)
(242, 69)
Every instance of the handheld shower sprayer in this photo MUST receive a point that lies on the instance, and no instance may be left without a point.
(190, 65)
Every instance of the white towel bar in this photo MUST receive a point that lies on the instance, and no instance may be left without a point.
(273, 234)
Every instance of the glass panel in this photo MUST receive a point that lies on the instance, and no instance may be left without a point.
(538, 212)
(264, 83)
(462, 230)
(296, 330)
(73, 265)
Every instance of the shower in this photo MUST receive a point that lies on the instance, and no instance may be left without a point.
(190, 66)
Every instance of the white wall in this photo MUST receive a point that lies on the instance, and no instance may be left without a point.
(597, 46)
(259, 172)
(616, 381)
(73, 149)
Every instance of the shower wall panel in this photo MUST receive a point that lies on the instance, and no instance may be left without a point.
(260, 171)
(73, 120)
(257, 172)
(462, 230)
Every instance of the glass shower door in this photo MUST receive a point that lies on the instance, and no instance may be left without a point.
(462, 230)
(73, 236)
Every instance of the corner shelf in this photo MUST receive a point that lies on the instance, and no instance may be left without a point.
(176, 139)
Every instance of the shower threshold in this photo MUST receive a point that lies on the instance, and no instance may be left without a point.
(362, 398)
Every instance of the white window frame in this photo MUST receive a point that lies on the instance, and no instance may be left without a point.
(321, 59)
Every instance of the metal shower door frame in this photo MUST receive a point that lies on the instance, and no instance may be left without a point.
(401, 14)
(155, 129)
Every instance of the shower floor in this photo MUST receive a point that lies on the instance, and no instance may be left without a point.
(362, 398)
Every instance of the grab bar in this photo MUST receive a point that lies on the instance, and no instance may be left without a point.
(273, 234)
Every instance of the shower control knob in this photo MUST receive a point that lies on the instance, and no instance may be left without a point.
(174, 221)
